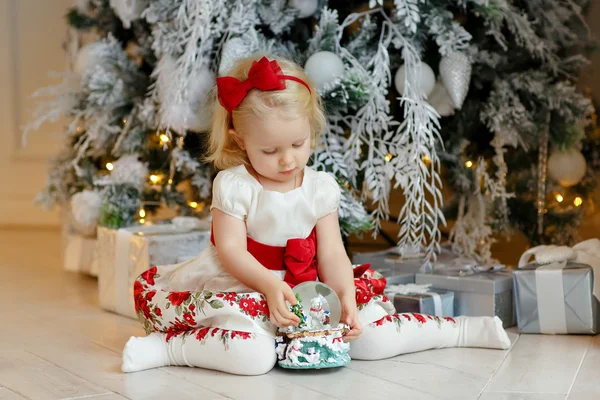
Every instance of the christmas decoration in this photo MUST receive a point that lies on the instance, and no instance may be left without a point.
(455, 71)
(567, 167)
(192, 112)
(440, 100)
(425, 79)
(85, 211)
(128, 170)
(305, 8)
(87, 56)
(129, 10)
(323, 67)
(317, 342)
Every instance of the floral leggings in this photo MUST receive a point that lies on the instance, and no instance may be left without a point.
(231, 332)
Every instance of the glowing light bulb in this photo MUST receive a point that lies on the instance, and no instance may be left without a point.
(469, 164)
(142, 213)
(164, 139)
(559, 198)
(578, 201)
(154, 178)
(193, 204)
(389, 157)
(109, 166)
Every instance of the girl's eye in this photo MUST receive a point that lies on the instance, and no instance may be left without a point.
(269, 152)
(296, 145)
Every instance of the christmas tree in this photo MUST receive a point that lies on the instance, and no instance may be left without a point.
(138, 98)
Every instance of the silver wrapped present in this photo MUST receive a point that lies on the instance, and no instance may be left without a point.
(420, 299)
(392, 262)
(556, 298)
(476, 293)
(125, 253)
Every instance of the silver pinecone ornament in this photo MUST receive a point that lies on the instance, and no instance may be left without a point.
(455, 70)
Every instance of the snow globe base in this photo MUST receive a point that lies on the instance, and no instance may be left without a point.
(312, 349)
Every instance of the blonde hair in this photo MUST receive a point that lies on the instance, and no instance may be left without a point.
(294, 101)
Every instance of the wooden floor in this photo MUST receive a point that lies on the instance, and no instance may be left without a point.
(56, 343)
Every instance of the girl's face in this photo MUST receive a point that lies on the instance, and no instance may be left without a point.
(278, 147)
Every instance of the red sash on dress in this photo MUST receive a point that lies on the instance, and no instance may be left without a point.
(298, 257)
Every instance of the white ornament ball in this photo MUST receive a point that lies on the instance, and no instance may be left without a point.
(196, 113)
(426, 79)
(129, 170)
(305, 8)
(440, 100)
(87, 56)
(567, 167)
(129, 10)
(82, 6)
(323, 67)
(85, 211)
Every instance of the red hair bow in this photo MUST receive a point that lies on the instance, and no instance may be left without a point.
(263, 75)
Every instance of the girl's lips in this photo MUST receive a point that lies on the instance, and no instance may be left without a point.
(289, 171)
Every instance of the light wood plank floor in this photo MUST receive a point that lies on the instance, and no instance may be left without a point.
(56, 343)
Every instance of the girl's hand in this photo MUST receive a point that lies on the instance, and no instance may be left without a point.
(276, 294)
(350, 317)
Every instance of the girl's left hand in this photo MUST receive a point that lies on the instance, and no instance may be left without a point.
(350, 317)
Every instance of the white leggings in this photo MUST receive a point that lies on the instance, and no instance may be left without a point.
(254, 354)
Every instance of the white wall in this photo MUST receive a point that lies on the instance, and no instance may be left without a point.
(31, 38)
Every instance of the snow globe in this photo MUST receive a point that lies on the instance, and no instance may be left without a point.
(317, 341)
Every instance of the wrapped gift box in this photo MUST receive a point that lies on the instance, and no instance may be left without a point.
(424, 300)
(79, 254)
(391, 262)
(556, 299)
(476, 293)
(123, 254)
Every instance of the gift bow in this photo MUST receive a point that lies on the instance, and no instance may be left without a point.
(299, 259)
(408, 288)
(264, 75)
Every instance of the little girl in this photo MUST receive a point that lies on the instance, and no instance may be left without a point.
(275, 225)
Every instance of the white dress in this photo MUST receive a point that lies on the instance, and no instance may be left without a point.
(272, 218)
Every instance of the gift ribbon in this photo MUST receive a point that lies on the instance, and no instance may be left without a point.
(411, 288)
(123, 294)
(550, 298)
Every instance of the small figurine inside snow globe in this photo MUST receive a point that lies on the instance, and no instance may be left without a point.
(317, 341)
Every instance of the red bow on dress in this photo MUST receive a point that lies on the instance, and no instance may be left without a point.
(263, 75)
(300, 260)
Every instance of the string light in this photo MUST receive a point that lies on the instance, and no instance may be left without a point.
(389, 157)
(559, 198)
(469, 164)
(193, 204)
(154, 179)
(124, 120)
(164, 139)
(426, 159)
(170, 181)
(142, 221)
(109, 166)
(578, 201)
(142, 213)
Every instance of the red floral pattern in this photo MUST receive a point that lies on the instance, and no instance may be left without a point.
(149, 275)
(180, 313)
(177, 298)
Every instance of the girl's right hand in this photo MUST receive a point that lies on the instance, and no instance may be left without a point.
(277, 294)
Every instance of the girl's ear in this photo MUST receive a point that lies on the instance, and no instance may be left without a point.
(237, 138)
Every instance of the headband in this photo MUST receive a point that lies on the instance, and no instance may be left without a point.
(263, 75)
